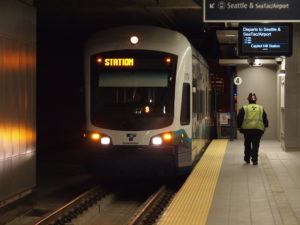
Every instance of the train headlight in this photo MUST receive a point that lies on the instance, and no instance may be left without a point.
(101, 138)
(164, 138)
(157, 141)
(134, 40)
(95, 136)
(167, 137)
(105, 140)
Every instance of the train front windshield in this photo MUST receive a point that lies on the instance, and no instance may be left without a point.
(132, 90)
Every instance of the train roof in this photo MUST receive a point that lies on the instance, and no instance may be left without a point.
(152, 38)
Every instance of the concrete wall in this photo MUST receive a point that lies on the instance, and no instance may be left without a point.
(291, 112)
(17, 98)
(262, 81)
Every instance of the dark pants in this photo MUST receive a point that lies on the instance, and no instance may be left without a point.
(251, 145)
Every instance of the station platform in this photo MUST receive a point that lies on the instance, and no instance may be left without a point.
(222, 190)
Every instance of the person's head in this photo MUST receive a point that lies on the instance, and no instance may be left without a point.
(252, 97)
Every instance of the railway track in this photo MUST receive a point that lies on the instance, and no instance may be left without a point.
(153, 207)
(71, 210)
(90, 208)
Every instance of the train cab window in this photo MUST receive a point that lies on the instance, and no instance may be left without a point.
(185, 105)
(132, 90)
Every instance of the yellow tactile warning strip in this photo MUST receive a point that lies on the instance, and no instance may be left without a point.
(191, 204)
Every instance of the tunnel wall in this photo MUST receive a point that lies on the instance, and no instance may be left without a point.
(291, 112)
(17, 98)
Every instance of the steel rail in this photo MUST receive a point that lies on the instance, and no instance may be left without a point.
(149, 203)
(68, 207)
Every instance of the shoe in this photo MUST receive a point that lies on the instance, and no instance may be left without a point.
(254, 163)
(246, 162)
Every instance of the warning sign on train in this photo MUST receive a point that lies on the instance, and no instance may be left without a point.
(237, 81)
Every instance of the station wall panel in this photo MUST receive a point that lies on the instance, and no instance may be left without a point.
(263, 81)
(17, 98)
(291, 112)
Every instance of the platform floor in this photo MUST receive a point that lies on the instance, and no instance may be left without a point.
(266, 194)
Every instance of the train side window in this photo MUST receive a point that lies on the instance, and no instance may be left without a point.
(194, 100)
(206, 101)
(198, 104)
(185, 105)
(195, 103)
(203, 103)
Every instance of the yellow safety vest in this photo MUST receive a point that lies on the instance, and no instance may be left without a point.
(253, 118)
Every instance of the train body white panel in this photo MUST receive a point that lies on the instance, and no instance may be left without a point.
(151, 38)
(160, 40)
(140, 137)
(162, 68)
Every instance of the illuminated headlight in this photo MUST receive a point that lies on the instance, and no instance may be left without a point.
(95, 136)
(100, 138)
(134, 40)
(157, 141)
(105, 140)
(162, 139)
(167, 137)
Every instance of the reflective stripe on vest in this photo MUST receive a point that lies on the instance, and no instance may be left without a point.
(253, 118)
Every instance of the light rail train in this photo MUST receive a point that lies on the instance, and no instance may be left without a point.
(147, 101)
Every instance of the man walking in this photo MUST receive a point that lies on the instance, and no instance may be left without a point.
(252, 121)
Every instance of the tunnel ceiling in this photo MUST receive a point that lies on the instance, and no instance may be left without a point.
(82, 17)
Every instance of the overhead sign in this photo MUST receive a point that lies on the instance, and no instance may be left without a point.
(251, 10)
(265, 39)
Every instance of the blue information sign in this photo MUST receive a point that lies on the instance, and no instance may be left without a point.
(265, 39)
(251, 10)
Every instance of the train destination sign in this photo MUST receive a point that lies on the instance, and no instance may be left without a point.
(116, 62)
(251, 11)
(265, 40)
